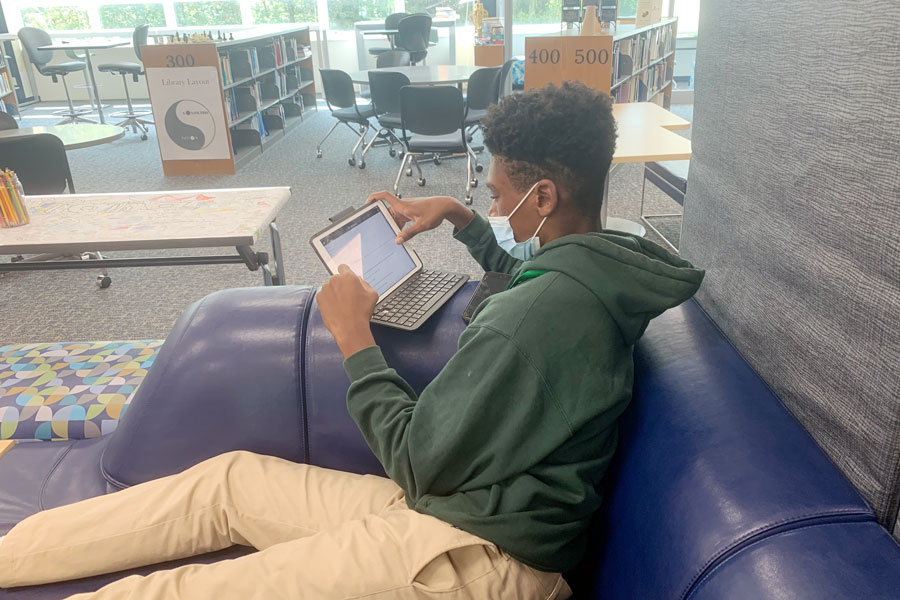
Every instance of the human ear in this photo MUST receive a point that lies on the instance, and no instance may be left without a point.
(547, 197)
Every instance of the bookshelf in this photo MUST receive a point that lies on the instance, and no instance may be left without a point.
(643, 63)
(8, 102)
(267, 84)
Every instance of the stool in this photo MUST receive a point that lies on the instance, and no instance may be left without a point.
(132, 119)
(670, 177)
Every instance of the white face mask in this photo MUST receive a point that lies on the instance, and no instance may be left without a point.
(507, 239)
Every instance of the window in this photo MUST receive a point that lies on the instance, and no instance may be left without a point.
(537, 11)
(342, 14)
(56, 17)
(627, 8)
(217, 12)
(688, 13)
(284, 11)
(127, 16)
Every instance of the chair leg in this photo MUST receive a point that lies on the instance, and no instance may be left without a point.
(469, 178)
(403, 162)
(72, 116)
(415, 163)
(362, 157)
(322, 141)
(363, 130)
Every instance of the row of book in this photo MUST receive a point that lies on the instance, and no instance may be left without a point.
(252, 131)
(247, 62)
(645, 85)
(634, 53)
(6, 85)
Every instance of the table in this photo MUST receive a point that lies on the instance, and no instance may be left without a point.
(423, 74)
(377, 27)
(73, 224)
(89, 45)
(646, 134)
(73, 137)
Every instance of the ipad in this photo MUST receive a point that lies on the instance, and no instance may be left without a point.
(365, 242)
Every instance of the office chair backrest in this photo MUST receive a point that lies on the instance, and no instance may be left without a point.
(39, 161)
(482, 89)
(385, 87)
(7, 121)
(394, 58)
(338, 88)
(431, 110)
(33, 38)
(504, 77)
(139, 38)
(393, 20)
(414, 31)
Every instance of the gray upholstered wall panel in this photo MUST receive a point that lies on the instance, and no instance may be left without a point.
(793, 207)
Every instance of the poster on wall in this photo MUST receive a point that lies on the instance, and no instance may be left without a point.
(188, 111)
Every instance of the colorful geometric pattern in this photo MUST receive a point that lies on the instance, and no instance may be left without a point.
(69, 390)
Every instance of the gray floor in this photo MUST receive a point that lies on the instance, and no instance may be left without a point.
(143, 303)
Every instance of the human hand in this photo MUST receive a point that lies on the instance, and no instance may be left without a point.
(346, 304)
(422, 214)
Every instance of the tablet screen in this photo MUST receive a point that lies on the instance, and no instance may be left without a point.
(366, 245)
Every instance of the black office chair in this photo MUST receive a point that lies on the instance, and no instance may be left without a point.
(432, 121)
(394, 58)
(132, 119)
(32, 39)
(39, 161)
(7, 121)
(481, 91)
(341, 98)
(503, 79)
(389, 23)
(385, 87)
(413, 34)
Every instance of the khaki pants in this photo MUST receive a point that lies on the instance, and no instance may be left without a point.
(320, 533)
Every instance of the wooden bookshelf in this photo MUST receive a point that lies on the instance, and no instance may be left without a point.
(643, 63)
(8, 101)
(268, 85)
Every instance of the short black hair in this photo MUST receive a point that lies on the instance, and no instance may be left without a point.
(566, 134)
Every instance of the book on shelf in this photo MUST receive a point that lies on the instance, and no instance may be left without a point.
(5, 83)
(240, 65)
(225, 68)
(291, 49)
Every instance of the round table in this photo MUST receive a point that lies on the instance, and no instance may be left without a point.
(424, 74)
(73, 136)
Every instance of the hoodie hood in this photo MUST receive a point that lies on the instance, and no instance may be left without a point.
(635, 279)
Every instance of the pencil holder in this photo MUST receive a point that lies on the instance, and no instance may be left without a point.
(12, 208)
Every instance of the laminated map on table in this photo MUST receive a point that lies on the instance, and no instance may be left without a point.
(148, 220)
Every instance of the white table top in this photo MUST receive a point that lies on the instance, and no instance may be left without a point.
(73, 136)
(99, 44)
(144, 220)
(424, 75)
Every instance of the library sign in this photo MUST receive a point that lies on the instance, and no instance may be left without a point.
(188, 108)
(563, 57)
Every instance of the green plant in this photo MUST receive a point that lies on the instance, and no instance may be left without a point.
(56, 18)
(627, 8)
(537, 11)
(285, 11)
(122, 16)
(215, 13)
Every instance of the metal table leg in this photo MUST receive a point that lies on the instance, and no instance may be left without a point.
(90, 70)
(276, 254)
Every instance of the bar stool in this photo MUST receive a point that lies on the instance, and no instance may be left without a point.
(32, 39)
(132, 119)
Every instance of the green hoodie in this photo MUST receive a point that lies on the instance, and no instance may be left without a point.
(511, 440)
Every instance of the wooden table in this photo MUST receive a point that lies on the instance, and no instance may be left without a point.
(423, 74)
(6, 446)
(89, 45)
(645, 134)
(73, 137)
(72, 224)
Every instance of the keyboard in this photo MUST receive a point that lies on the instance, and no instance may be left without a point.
(411, 304)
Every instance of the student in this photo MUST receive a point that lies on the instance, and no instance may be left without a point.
(494, 470)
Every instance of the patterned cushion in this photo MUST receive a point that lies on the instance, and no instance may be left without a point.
(69, 389)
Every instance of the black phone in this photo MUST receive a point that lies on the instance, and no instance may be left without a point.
(490, 284)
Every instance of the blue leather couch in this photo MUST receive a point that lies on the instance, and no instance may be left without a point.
(716, 491)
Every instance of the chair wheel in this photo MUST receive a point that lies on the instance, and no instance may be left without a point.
(392, 152)
(479, 168)
(399, 195)
(351, 162)
(143, 137)
(103, 281)
(362, 164)
(474, 183)
(469, 138)
(421, 182)
(469, 199)
(409, 172)
(318, 154)
(437, 160)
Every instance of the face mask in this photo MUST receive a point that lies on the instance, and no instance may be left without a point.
(507, 239)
